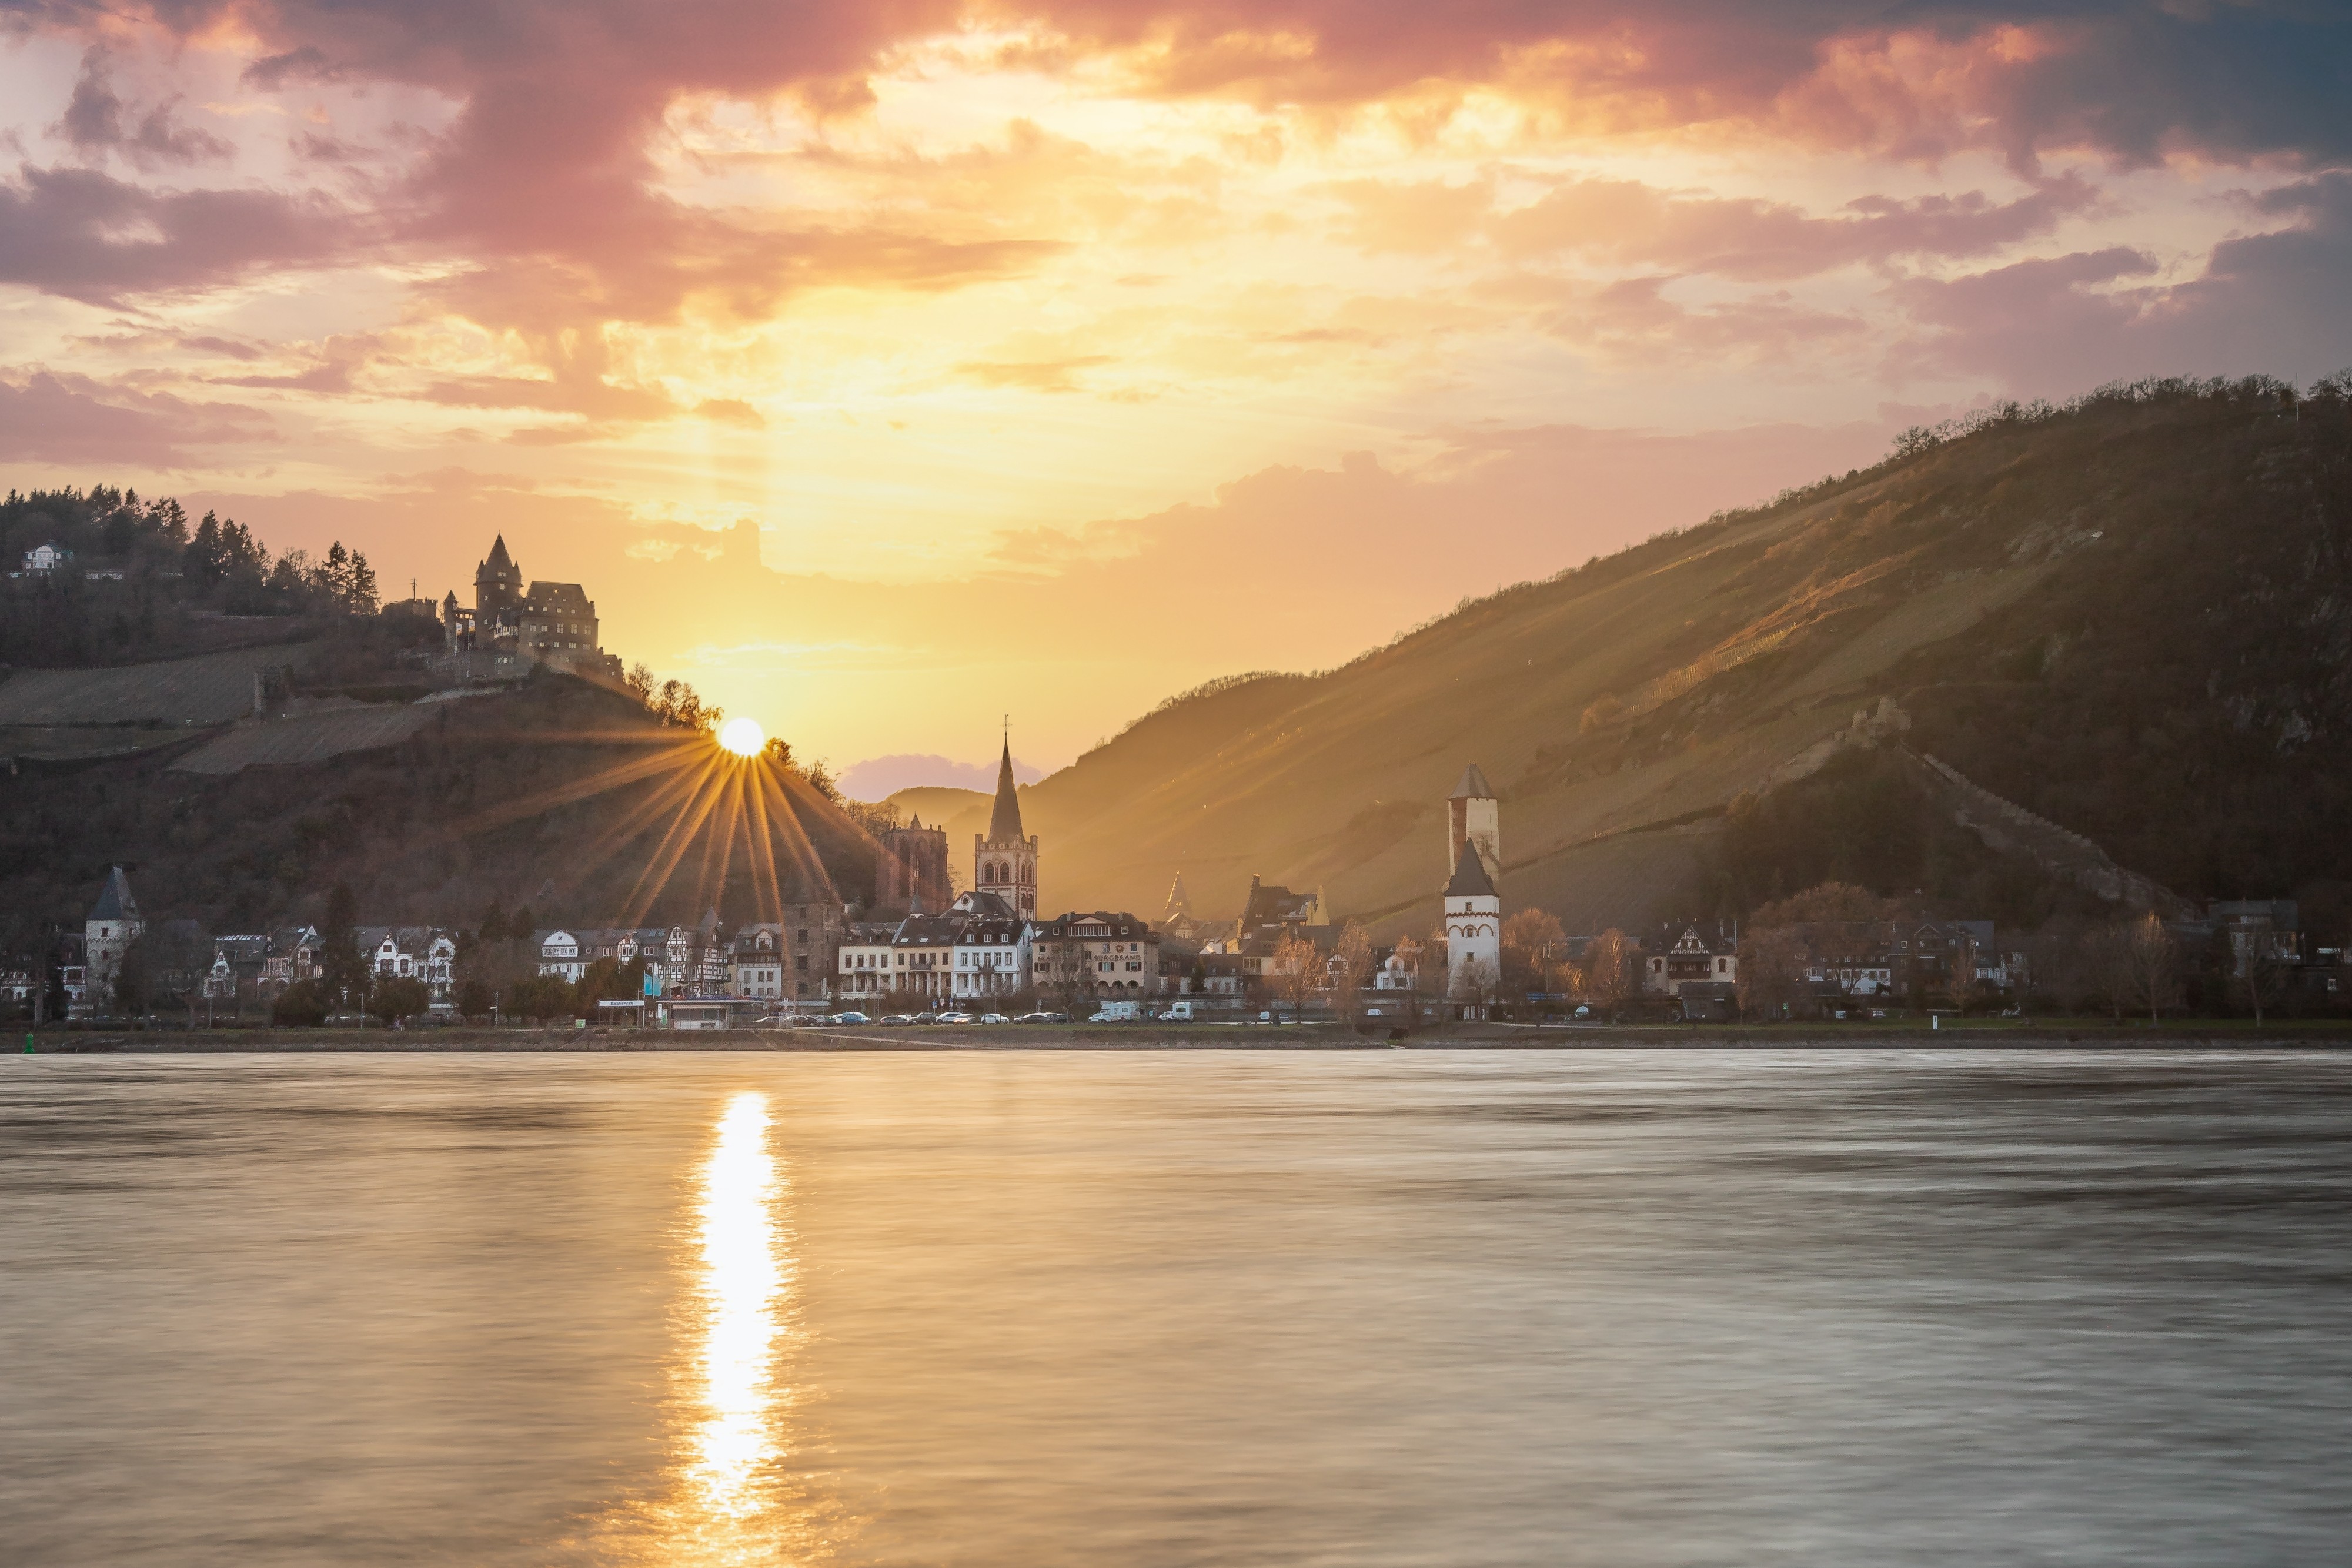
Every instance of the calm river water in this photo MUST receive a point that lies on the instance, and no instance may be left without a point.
(1219, 1309)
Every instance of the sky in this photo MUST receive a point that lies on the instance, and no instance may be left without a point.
(889, 368)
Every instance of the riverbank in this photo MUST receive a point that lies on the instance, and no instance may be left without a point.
(1988, 1034)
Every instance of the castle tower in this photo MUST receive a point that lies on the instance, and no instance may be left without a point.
(1003, 862)
(113, 924)
(498, 585)
(1474, 933)
(1473, 816)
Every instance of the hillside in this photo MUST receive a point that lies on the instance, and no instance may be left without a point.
(565, 797)
(2129, 617)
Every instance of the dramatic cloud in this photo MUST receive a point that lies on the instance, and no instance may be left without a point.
(88, 236)
(97, 121)
(75, 421)
(2271, 302)
(887, 367)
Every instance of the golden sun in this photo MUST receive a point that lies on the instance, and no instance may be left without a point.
(743, 737)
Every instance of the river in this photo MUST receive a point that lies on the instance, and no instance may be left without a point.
(1139, 1308)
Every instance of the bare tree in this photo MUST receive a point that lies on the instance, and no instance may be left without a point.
(2151, 965)
(1476, 985)
(1295, 961)
(2106, 957)
(1611, 970)
(1350, 967)
(1533, 942)
(2264, 977)
(1965, 989)
(1771, 972)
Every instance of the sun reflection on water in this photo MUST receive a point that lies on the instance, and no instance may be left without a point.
(735, 1493)
(743, 1281)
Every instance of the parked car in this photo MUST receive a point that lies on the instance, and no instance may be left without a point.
(1041, 1018)
(924, 1018)
(994, 1017)
(958, 1018)
(848, 1018)
(899, 1018)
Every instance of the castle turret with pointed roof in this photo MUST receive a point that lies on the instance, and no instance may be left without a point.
(498, 585)
(1005, 862)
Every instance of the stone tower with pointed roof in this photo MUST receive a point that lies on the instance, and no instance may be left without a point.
(1179, 903)
(498, 585)
(1473, 816)
(1003, 862)
(113, 924)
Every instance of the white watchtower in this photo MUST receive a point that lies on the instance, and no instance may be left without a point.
(1474, 933)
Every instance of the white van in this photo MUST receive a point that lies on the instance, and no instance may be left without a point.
(1178, 1012)
(1114, 1012)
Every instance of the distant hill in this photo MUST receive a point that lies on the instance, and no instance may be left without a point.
(2130, 617)
(940, 806)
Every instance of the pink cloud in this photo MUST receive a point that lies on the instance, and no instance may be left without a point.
(76, 420)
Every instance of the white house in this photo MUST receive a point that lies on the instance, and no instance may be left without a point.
(991, 952)
(565, 953)
(760, 962)
(861, 962)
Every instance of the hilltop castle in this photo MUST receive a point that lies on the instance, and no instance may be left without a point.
(552, 623)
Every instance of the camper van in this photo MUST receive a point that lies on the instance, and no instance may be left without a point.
(1115, 1012)
(1178, 1012)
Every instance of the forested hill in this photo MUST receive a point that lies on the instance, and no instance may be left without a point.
(2130, 615)
(139, 579)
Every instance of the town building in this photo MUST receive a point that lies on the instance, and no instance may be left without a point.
(792, 959)
(862, 959)
(1690, 962)
(424, 954)
(760, 961)
(1105, 955)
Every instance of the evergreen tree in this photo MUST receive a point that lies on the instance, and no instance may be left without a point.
(343, 967)
(360, 599)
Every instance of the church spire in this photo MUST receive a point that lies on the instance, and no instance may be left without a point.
(1005, 823)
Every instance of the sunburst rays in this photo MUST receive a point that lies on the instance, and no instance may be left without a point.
(707, 812)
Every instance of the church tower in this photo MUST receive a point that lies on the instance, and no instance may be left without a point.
(1472, 816)
(1003, 862)
(498, 585)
